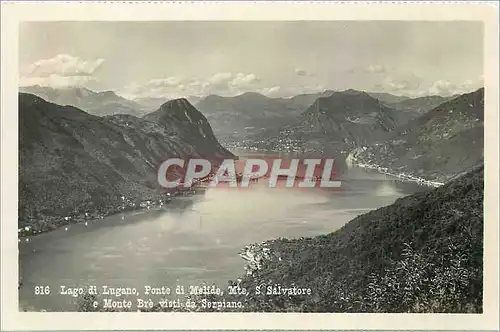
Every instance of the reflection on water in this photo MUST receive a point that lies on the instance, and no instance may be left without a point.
(192, 239)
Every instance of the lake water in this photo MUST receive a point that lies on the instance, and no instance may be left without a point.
(192, 239)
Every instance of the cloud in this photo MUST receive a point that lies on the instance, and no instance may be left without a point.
(60, 71)
(411, 85)
(220, 79)
(447, 88)
(174, 87)
(57, 81)
(370, 69)
(375, 69)
(245, 80)
(169, 81)
(285, 92)
(302, 72)
(442, 87)
(271, 92)
(401, 84)
(229, 82)
(396, 85)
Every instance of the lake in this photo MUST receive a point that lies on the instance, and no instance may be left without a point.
(193, 239)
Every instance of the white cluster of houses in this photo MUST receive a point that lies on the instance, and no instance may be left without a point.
(254, 254)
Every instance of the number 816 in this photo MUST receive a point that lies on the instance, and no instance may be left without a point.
(42, 290)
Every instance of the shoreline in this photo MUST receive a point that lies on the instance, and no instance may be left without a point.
(129, 205)
(403, 176)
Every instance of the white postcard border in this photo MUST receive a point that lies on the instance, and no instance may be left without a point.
(12, 14)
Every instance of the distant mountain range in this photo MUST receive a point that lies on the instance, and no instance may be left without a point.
(438, 145)
(236, 117)
(96, 103)
(232, 118)
(252, 114)
(338, 121)
(72, 162)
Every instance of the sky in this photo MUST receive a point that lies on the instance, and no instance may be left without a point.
(277, 59)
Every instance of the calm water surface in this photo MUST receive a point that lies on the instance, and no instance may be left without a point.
(192, 239)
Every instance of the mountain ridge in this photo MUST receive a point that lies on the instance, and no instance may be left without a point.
(100, 103)
(73, 163)
(340, 121)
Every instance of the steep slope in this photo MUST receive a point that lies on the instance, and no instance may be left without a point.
(96, 103)
(438, 145)
(424, 253)
(73, 163)
(190, 124)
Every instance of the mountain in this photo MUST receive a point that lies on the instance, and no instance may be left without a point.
(236, 117)
(422, 254)
(187, 122)
(442, 143)
(251, 113)
(344, 119)
(348, 116)
(96, 103)
(72, 162)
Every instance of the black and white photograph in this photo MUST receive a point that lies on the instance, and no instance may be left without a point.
(246, 166)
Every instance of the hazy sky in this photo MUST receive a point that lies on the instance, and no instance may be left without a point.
(175, 59)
